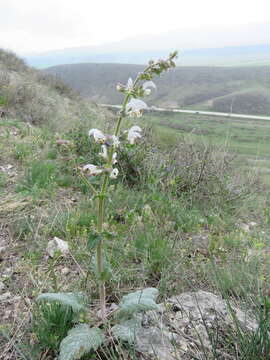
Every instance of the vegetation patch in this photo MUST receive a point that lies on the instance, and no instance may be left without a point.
(185, 213)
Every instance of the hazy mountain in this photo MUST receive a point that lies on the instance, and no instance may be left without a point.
(246, 89)
(201, 46)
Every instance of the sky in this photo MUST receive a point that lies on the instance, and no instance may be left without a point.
(33, 26)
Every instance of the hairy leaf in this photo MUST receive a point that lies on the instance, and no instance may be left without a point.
(126, 331)
(140, 300)
(75, 301)
(80, 341)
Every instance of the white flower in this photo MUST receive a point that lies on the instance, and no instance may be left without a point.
(136, 107)
(114, 161)
(104, 152)
(114, 173)
(134, 133)
(147, 87)
(129, 85)
(116, 141)
(92, 170)
(147, 92)
(98, 135)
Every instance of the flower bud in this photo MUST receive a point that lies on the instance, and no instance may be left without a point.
(147, 92)
(120, 87)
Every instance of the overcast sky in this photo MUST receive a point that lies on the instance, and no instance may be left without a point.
(36, 26)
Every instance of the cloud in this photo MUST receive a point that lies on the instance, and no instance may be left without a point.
(33, 25)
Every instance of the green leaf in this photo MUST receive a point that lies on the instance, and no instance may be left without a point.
(80, 341)
(141, 300)
(126, 331)
(75, 301)
(93, 240)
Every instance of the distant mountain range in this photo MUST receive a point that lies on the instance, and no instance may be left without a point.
(224, 46)
(230, 89)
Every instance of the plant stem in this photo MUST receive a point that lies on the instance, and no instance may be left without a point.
(100, 209)
(100, 256)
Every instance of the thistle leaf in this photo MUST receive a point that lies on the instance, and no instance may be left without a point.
(80, 341)
(126, 331)
(73, 300)
(141, 300)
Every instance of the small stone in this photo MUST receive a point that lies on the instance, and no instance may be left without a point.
(2, 249)
(4, 297)
(113, 307)
(252, 223)
(65, 271)
(245, 227)
(28, 301)
(7, 314)
(7, 272)
(2, 286)
(57, 245)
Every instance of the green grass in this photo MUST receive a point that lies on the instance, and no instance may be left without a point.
(156, 223)
(248, 139)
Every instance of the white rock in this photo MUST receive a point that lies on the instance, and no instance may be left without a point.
(65, 271)
(2, 249)
(7, 314)
(4, 297)
(245, 227)
(57, 245)
(186, 319)
(2, 286)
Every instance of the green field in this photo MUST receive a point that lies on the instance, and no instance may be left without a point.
(249, 139)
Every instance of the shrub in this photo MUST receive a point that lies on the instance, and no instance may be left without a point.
(12, 61)
(56, 83)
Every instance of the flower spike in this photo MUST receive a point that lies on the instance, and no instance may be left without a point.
(92, 170)
(134, 133)
(104, 152)
(136, 107)
(114, 173)
(147, 87)
(98, 135)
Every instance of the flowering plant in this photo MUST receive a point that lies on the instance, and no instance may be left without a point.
(132, 106)
(82, 338)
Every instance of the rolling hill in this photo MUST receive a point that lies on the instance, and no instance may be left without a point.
(236, 89)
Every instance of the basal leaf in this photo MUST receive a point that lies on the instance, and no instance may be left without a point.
(126, 331)
(80, 341)
(141, 300)
(75, 301)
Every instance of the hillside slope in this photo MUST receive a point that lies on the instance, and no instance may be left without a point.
(39, 99)
(180, 217)
(195, 87)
